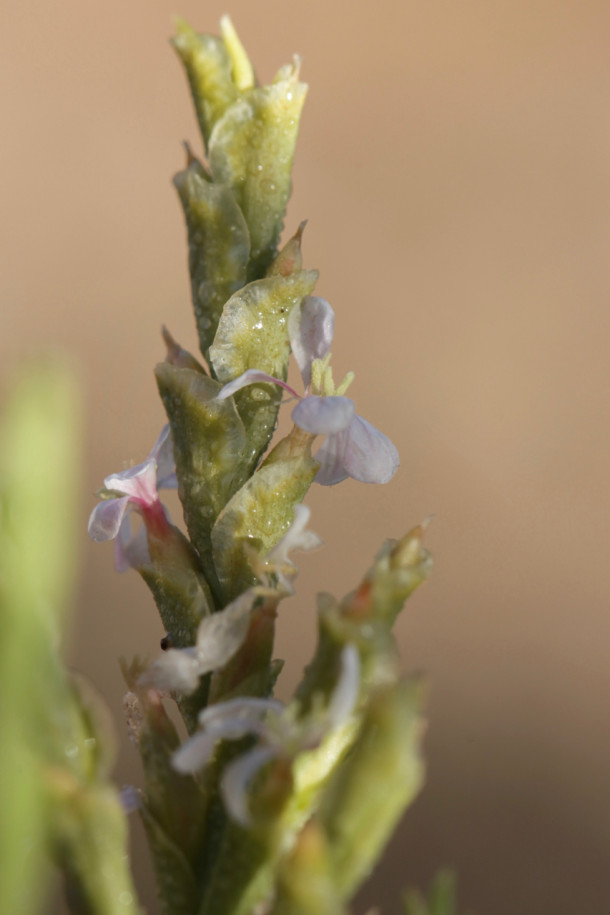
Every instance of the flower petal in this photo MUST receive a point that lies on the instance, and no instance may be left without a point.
(220, 635)
(106, 518)
(237, 777)
(250, 710)
(251, 376)
(310, 328)
(330, 456)
(194, 753)
(369, 455)
(139, 482)
(163, 454)
(176, 670)
(296, 538)
(130, 550)
(324, 415)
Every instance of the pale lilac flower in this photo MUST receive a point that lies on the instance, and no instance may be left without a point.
(136, 490)
(280, 734)
(220, 635)
(353, 447)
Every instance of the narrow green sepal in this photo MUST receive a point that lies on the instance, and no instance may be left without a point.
(368, 793)
(209, 444)
(209, 69)
(256, 518)
(251, 149)
(218, 244)
(253, 334)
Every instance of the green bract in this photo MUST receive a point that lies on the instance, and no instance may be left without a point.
(253, 334)
(218, 246)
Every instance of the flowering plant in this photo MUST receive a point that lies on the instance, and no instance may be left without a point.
(264, 807)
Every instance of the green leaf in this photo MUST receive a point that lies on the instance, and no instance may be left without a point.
(218, 247)
(253, 334)
(251, 149)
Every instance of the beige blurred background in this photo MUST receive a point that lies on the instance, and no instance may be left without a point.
(453, 165)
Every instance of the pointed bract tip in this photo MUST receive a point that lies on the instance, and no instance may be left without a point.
(191, 158)
(409, 551)
(178, 356)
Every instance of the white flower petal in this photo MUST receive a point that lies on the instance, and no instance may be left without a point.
(176, 670)
(194, 753)
(106, 518)
(295, 538)
(247, 708)
(324, 415)
(220, 635)
(237, 777)
(369, 455)
(251, 376)
(330, 456)
(310, 328)
(139, 482)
